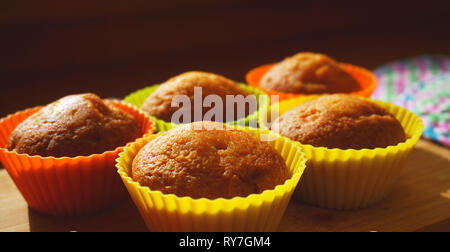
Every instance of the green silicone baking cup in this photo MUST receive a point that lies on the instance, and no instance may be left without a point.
(138, 98)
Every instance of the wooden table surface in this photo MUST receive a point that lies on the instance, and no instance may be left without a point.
(419, 202)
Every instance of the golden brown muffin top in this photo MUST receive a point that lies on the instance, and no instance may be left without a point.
(308, 73)
(158, 104)
(340, 121)
(76, 125)
(208, 160)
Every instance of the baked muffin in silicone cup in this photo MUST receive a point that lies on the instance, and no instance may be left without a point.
(256, 212)
(139, 97)
(366, 79)
(348, 179)
(66, 186)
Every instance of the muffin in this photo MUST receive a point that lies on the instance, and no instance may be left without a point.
(308, 73)
(255, 213)
(159, 103)
(340, 121)
(209, 160)
(66, 164)
(76, 125)
(339, 135)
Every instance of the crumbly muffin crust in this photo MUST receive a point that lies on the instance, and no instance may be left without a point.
(197, 161)
(308, 73)
(158, 104)
(76, 125)
(340, 121)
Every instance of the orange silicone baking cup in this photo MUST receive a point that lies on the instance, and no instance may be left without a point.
(366, 79)
(67, 186)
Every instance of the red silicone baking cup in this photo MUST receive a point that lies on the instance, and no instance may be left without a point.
(67, 186)
(366, 79)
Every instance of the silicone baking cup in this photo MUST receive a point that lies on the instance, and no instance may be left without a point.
(138, 98)
(257, 212)
(66, 186)
(365, 78)
(352, 179)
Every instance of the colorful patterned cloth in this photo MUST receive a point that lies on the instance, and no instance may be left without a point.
(431, 101)
(421, 85)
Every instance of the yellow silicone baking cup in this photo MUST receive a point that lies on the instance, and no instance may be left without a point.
(257, 212)
(352, 179)
(138, 98)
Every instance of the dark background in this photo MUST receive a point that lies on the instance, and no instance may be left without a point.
(52, 48)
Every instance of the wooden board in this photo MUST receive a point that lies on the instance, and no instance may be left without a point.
(419, 202)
